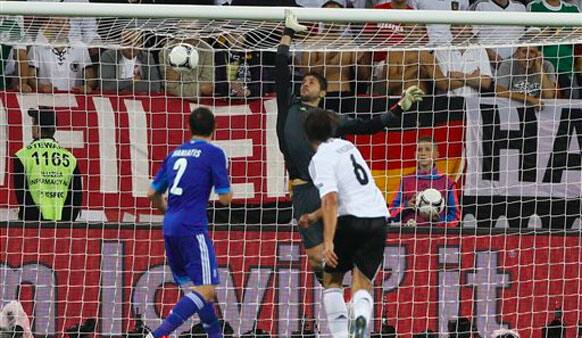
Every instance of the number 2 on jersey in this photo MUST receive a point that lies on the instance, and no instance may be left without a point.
(359, 171)
(180, 165)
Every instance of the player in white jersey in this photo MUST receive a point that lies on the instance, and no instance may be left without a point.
(354, 223)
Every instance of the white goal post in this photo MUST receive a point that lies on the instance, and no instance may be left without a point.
(182, 21)
(278, 14)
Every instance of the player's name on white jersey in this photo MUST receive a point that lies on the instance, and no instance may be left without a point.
(338, 166)
(187, 153)
(345, 148)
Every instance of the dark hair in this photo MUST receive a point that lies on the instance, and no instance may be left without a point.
(46, 119)
(202, 122)
(320, 125)
(320, 78)
(47, 131)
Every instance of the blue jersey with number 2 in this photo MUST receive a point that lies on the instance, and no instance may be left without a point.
(189, 173)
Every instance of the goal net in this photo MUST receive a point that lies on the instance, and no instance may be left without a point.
(498, 134)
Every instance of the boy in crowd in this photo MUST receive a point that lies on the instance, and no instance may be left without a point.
(403, 207)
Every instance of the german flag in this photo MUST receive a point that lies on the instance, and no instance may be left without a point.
(391, 155)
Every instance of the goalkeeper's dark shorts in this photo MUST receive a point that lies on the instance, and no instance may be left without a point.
(359, 242)
(305, 200)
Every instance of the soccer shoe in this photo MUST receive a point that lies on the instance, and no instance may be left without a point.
(359, 327)
(292, 23)
(410, 96)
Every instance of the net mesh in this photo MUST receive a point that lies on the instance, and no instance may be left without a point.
(501, 117)
(264, 35)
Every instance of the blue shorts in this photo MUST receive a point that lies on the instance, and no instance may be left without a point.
(192, 259)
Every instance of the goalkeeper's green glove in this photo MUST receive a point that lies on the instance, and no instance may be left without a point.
(292, 23)
(410, 96)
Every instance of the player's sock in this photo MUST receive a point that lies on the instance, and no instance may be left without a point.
(362, 305)
(186, 307)
(337, 312)
(210, 321)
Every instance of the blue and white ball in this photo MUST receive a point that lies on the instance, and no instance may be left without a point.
(430, 203)
(183, 57)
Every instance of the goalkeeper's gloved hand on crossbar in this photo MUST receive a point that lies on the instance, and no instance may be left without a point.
(410, 96)
(292, 23)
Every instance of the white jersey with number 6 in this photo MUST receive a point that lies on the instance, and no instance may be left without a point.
(338, 166)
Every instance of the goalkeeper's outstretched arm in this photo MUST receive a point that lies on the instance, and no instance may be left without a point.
(283, 74)
(282, 80)
(390, 119)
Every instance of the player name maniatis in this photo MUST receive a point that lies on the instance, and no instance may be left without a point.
(187, 153)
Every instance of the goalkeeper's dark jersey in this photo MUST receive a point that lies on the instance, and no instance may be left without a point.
(293, 142)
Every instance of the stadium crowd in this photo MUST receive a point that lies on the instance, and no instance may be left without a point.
(59, 54)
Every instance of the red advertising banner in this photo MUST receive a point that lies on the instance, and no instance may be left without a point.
(66, 274)
(120, 141)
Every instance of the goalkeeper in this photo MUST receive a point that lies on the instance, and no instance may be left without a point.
(297, 150)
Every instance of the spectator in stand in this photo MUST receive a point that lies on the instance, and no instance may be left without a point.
(58, 64)
(419, 68)
(498, 34)
(440, 34)
(400, 69)
(194, 83)
(468, 69)
(14, 71)
(341, 69)
(240, 73)
(527, 77)
(130, 68)
(403, 207)
(83, 29)
(561, 56)
(46, 176)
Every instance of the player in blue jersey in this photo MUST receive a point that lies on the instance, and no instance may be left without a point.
(188, 174)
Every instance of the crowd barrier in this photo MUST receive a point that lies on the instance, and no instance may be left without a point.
(521, 165)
